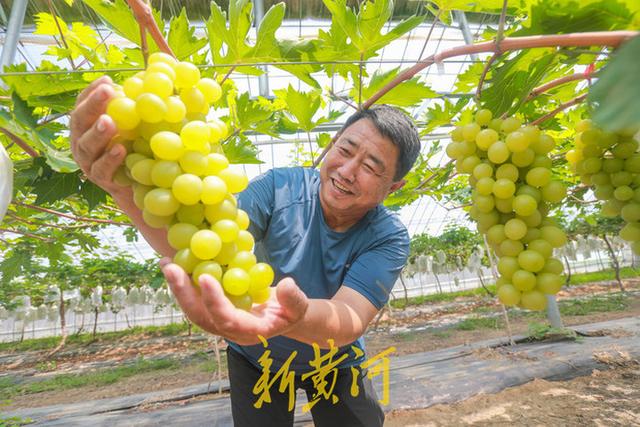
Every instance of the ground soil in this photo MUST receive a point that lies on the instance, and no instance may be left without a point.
(410, 331)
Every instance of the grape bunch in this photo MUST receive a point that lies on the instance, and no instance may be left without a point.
(610, 164)
(181, 179)
(510, 175)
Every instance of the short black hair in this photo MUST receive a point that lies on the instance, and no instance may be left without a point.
(394, 124)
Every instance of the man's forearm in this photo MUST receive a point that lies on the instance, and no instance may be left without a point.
(156, 237)
(328, 319)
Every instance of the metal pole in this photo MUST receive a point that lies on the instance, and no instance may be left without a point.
(553, 313)
(263, 79)
(10, 46)
(466, 31)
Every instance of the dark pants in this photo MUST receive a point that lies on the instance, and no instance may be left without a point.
(362, 410)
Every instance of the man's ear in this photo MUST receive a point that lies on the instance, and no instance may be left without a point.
(396, 186)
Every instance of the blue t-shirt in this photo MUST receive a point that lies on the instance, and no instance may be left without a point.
(292, 236)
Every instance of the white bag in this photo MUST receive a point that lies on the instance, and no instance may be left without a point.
(6, 182)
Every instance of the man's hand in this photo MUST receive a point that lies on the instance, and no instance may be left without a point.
(210, 309)
(91, 132)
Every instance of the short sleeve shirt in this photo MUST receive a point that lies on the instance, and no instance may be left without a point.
(292, 236)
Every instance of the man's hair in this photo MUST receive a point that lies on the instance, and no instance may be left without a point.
(398, 127)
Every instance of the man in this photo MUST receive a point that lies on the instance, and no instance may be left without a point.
(335, 250)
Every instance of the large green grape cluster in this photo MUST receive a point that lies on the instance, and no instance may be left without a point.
(181, 178)
(610, 164)
(510, 173)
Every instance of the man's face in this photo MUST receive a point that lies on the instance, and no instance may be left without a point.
(358, 172)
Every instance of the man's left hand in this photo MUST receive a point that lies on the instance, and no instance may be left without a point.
(211, 310)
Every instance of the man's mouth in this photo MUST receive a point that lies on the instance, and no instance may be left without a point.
(340, 188)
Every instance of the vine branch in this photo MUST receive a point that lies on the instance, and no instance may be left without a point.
(555, 83)
(144, 16)
(561, 107)
(72, 217)
(23, 233)
(20, 142)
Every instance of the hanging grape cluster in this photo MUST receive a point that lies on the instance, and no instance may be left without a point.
(610, 163)
(510, 174)
(181, 179)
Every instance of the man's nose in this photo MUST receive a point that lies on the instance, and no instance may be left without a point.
(349, 169)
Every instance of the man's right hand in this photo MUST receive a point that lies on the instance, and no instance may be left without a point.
(91, 132)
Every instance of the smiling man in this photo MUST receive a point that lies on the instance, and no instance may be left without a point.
(336, 252)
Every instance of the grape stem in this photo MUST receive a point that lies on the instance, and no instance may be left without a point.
(44, 224)
(555, 83)
(483, 76)
(20, 142)
(34, 236)
(560, 108)
(497, 53)
(62, 38)
(144, 16)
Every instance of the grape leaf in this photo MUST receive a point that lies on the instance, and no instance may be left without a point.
(56, 186)
(240, 150)
(301, 105)
(406, 94)
(181, 37)
(93, 194)
(617, 91)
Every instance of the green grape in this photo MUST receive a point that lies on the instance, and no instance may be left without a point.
(195, 135)
(223, 210)
(484, 186)
(485, 138)
(510, 124)
(483, 170)
(533, 220)
(631, 212)
(509, 295)
(495, 124)
(507, 266)
(591, 165)
(604, 192)
(141, 146)
(470, 131)
(554, 192)
(523, 158)
(261, 275)
(241, 302)
(205, 244)
(543, 145)
(538, 177)
(211, 268)
(523, 280)
(623, 193)
(541, 161)
(632, 164)
(215, 163)
(164, 68)
(139, 192)
(166, 145)
(612, 165)
(554, 235)
(210, 89)
(483, 117)
(630, 232)
(624, 150)
(504, 188)
(504, 205)
(179, 235)
(193, 100)
(531, 260)
(162, 57)
(507, 171)
(495, 234)
(515, 229)
(468, 148)
(227, 230)
(176, 111)
(242, 219)
(151, 108)
(132, 159)
(236, 180)
(524, 205)
(260, 296)
(549, 283)
(133, 87)
(164, 172)
(192, 214)
(516, 142)
(621, 178)
(141, 171)
(468, 164)
(456, 134)
(244, 260)
(186, 259)
(542, 247)
(193, 162)
(187, 189)
(498, 152)
(455, 150)
(553, 265)
(533, 300)
(121, 178)
(161, 202)
(187, 75)
(156, 221)
(244, 241)
(158, 83)
(511, 248)
(123, 112)
(236, 281)
(214, 190)
(532, 234)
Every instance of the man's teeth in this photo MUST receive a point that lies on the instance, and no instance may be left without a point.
(340, 187)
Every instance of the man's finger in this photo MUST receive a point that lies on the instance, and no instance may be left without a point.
(87, 112)
(103, 169)
(292, 299)
(92, 144)
(214, 299)
(187, 296)
(94, 84)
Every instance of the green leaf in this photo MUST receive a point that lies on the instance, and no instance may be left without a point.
(93, 194)
(181, 37)
(32, 84)
(323, 139)
(406, 94)
(56, 186)
(617, 91)
(22, 111)
(13, 265)
(442, 114)
(301, 105)
(240, 150)
(253, 115)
